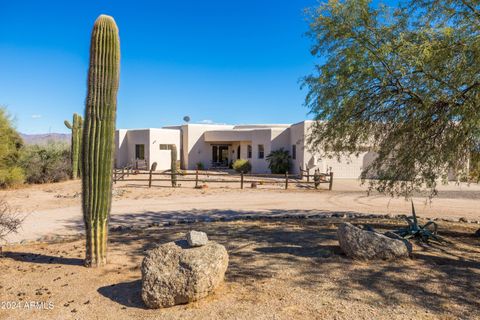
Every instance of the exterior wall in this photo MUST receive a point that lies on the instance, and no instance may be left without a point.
(297, 138)
(347, 167)
(152, 138)
(121, 150)
(162, 157)
(137, 137)
(228, 135)
(195, 149)
(261, 136)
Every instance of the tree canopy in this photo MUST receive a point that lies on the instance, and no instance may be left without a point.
(403, 82)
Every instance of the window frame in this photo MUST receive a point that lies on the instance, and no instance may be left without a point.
(261, 153)
(139, 147)
(165, 147)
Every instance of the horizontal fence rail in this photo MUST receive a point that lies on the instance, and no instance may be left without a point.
(204, 176)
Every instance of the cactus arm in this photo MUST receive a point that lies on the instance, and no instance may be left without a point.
(67, 124)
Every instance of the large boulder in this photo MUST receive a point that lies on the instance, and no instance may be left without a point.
(175, 273)
(362, 244)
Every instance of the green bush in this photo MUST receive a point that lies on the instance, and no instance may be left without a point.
(279, 161)
(242, 165)
(10, 146)
(11, 177)
(200, 166)
(46, 163)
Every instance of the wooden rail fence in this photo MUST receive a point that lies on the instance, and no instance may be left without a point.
(205, 176)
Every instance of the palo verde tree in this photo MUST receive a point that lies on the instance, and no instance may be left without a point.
(99, 137)
(76, 145)
(403, 82)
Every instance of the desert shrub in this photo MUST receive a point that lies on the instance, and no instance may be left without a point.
(10, 146)
(10, 221)
(46, 163)
(242, 165)
(11, 177)
(279, 161)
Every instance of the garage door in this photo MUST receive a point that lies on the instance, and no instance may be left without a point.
(349, 167)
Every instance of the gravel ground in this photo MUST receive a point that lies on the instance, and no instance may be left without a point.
(279, 269)
(54, 209)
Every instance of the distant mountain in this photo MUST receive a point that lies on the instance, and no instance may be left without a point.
(45, 138)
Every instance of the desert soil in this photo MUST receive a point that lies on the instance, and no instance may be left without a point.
(289, 269)
(53, 210)
(279, 268)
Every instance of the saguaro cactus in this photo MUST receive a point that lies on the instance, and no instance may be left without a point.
(173, 164)
(99, 137)
(76, 146)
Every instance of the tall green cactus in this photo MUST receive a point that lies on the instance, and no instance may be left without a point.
(173, 164)
(76, 146)
(99, 137)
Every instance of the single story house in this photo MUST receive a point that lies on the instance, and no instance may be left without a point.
(216, 146)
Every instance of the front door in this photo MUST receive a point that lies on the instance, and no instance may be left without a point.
(220, 156)
(238, 152)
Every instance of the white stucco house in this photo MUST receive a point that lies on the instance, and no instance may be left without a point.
(216, 146)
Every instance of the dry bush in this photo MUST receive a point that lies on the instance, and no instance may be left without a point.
(10, 221)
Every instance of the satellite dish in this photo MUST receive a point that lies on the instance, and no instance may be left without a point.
(186, 119)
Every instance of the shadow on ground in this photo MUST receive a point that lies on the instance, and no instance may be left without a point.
(127, 294)
(304, 253)
(42, 258)
(442, 279)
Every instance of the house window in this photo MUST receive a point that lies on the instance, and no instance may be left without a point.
(140, 152)
(294, 151)
(249, 152)
(261, 151)
(165, 147)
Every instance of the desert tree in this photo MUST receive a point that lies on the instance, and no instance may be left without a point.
(403, 82)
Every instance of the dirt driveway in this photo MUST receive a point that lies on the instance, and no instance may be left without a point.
(54, 209)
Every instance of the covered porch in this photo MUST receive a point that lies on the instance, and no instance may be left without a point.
(224, 154)
(226, 146)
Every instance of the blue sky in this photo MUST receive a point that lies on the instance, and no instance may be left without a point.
(216, 61)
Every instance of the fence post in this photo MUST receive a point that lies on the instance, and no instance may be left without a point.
(331, 181)
(301, 173)
(286, 180)
(308, 174)
(241, 180)
(123, 173)
(196, 178)
(115, 176)
(150, 179)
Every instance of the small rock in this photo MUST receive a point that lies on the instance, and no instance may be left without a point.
(197, 238)
(462, 219)
(477, 233)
